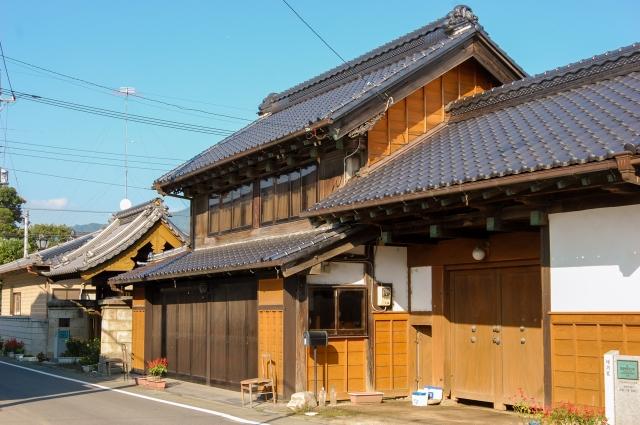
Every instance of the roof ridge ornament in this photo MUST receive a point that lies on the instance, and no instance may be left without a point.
(459, 16)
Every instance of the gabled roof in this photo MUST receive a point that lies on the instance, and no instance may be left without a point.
(274, 251)
(47, 257)
(585, 112)
(337, 92)
(125, 229)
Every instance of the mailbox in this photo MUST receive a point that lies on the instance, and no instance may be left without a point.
(315, 338)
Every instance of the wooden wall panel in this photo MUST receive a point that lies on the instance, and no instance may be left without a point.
(137, 328)
(341, 364)
(578, 342)
(270, 292)
(270, 341)
(422, 110)
(331, 168)
(391, 353)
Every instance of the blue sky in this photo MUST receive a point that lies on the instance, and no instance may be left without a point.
(222, 57)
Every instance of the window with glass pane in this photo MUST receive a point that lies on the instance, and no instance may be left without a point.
(282, 197)
(294, 179)
(309, 187)
(225, 212)
(338, 310)
(350, 309)
(267, 200)
(214, 214)
(244, 205)
(322, 308)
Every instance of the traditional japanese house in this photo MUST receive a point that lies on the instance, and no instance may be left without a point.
(517, 220)
(53, 294)
(259, 273)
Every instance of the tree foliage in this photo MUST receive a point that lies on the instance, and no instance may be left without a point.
(54, 233)
(10, 200)
(10, 250)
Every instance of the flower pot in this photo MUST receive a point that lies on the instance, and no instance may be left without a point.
(11, 354)
(29, 359)
(68, 360)
(152, 382)
(372, 397)
(19, 357)
(88, 368)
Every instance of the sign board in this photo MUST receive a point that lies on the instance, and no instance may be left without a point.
(627, 369)
(622, 389)
(64, 334)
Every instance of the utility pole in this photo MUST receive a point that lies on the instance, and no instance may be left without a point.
(26, 234)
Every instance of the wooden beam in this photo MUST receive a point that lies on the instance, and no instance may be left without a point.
(538, 218)
(438, 231)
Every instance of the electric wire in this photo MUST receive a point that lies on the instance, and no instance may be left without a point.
(120, 115)
(75, 161)
(6, 70)
(13, 141)
(86, 156)
(104, 87)
(78, 179)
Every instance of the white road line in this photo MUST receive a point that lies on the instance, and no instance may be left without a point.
(157, 400)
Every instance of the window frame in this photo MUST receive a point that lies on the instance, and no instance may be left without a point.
(15, 295)
(224, 199)
(337, 289)
(299, 182)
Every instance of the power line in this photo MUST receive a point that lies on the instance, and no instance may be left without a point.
(6, 70)
(78, 179)
(86, 156)
(86, 162)
(120, 115)
(91, 151)
(68, 210)
(102, 86)
(314, 31)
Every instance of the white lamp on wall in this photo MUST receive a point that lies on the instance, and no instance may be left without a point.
(479, 252)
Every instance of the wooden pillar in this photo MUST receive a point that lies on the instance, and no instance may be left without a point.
(301, 320)
(545, 276)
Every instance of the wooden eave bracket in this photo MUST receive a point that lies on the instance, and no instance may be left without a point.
(625, 163)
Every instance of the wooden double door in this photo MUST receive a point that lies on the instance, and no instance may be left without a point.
(497, 334)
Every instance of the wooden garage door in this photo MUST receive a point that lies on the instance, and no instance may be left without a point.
(179, 322)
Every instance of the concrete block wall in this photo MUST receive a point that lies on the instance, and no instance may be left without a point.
(33, 332)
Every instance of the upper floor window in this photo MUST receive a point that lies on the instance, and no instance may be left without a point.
(231, 210)
(285, 196)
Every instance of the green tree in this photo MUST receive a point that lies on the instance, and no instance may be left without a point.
(54, 233)
(10, 234)
(10, 200)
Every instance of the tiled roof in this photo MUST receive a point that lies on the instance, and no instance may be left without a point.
(583, 113)
(47, 257)
(125, 228)
(255, 253)
(334, 93)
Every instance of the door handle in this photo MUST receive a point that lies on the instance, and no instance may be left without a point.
(496, 340)
(523, 340)
(472, 339)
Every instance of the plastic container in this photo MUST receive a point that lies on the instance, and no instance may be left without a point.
(434, 394)
(420, 399)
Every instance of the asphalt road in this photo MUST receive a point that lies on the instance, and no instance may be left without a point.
(28, 397)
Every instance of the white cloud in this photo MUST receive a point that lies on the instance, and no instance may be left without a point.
(55, 203)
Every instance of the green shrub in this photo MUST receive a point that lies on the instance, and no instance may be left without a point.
(74, 348)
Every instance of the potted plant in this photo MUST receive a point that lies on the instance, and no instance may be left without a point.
(156, 369)
(13, 346)
(90, 352)
(73, 353)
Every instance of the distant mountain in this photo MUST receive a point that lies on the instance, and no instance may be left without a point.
(182, 220)
(87, 228)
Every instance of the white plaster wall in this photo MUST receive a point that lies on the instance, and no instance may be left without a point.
(595, 260)
(391, 267)
(420, 288)
(340, 274)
